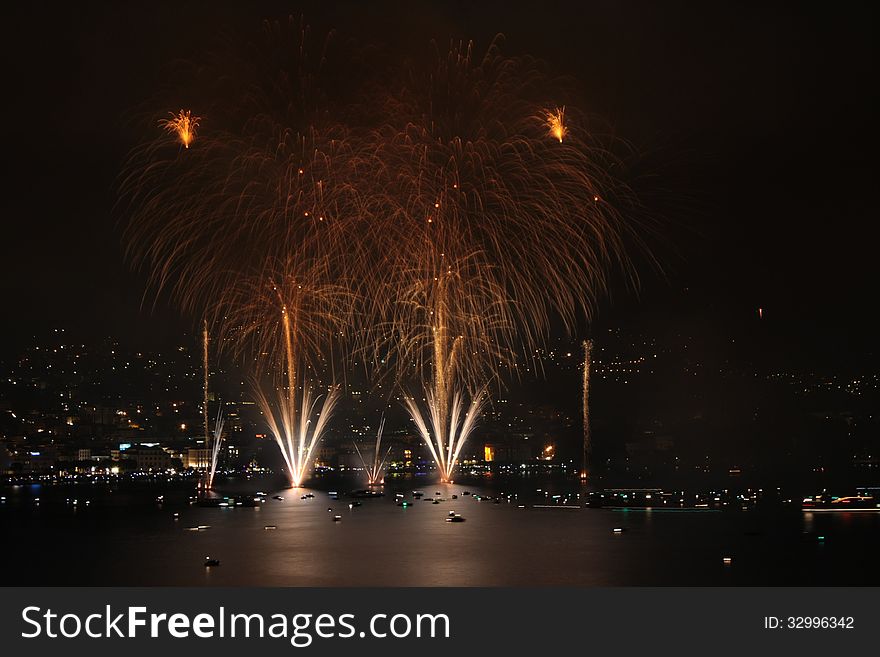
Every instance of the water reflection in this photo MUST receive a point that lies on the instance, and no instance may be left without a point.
(125, 541)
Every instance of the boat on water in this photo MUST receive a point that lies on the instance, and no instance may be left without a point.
(859, 502)
(366, 493)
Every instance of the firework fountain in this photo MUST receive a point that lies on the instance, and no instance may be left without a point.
(376, 467)
(291, 418)
(215, 448)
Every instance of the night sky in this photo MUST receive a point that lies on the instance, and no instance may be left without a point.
(753, 122)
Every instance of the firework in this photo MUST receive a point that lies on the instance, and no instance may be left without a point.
(247, 231)
(291, 421)
(291, 417)
(437, 236)
(445, 435)
(588, 353)
(183, 125)
(205, 379)
(374, 470)
(493, 230)
(215, 448)
(556, 123)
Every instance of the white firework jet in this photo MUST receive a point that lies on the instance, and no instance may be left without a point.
(291, 424)
(446, 436)
(215, 447)
(374, 471)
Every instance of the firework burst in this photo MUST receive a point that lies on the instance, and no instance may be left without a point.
(183, 125)
(493, 230)
(556, 123)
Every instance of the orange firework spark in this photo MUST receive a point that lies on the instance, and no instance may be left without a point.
(556, 123)
(183, 124)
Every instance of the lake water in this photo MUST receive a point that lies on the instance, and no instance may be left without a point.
(125, 538)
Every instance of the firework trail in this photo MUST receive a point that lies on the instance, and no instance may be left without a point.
(215, 448)
(206, 375)
(588, 355)
(374, 470)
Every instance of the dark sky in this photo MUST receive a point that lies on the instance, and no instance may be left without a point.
(755, 121)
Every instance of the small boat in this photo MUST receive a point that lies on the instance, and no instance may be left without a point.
(436, 502)
(337, 518)
(455, 497)
(455, 518)
(211, 563)
(271, 527)
(366, 493)
(727, 561)
(353, 505)
(847, 503)
(277, 497)
(619, 530)
(467, 492)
